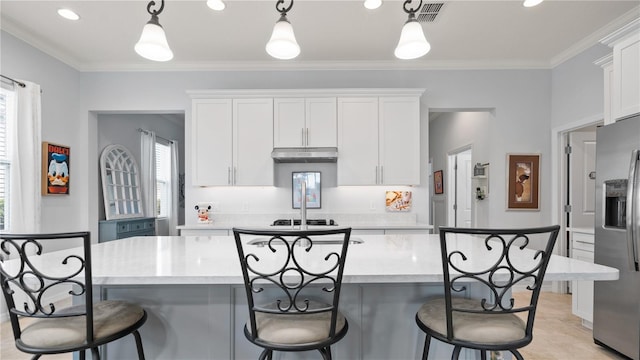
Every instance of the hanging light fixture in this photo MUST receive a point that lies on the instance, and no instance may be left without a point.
(531, 3)
(153, 42)
(283, 44)
(372, 4)
(217, 5)
(412, 44)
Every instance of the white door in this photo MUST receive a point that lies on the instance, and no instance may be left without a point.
(464, 197)
(582, 167)
(460, 199)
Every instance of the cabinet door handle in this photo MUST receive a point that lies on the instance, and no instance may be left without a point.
(235, 175)
(229, 175)
(302, 136)
(306, 140)
(376, 174)
(381, 174)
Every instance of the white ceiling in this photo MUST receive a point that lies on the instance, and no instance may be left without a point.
(332, 34)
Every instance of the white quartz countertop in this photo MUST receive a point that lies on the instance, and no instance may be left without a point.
(355, 226)
(157, 260)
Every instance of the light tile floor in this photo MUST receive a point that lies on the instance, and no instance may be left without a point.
(558, 335)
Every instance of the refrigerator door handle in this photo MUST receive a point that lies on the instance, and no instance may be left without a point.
(633, 211)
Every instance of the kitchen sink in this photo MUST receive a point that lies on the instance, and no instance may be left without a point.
(262, 241)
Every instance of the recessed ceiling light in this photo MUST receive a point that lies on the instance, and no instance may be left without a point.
(68, 14)
(531, 3)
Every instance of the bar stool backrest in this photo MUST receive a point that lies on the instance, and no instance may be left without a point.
(508, 258)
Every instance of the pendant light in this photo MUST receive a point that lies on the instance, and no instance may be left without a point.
(531, 3)
(153, 42)
(372, 4)
(283, 44)
(412, 44)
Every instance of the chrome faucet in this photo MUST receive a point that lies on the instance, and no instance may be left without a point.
(303, 205)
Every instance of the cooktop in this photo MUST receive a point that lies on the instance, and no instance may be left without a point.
(287, 222)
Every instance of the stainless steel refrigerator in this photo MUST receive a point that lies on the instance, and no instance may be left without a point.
(616, 307)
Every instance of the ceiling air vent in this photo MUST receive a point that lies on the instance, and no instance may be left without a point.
(429, 12)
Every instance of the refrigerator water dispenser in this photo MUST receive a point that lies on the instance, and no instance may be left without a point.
(615, 204)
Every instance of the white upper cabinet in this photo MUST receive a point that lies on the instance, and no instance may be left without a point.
(399, 140)
(625, 84)
(232, 142)
(252, 141)
(379, 140)
(211, 136)
(626, 90)
(305, 122)
(358, 141)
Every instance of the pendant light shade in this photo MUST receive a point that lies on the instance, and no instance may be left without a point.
(531, 3)
(283, 44)
(153, 42)
(412, 43)
(372, 4)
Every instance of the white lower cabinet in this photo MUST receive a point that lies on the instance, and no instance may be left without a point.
(582, 291)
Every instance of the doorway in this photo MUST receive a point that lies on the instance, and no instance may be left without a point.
(460, 203)
(125, 129)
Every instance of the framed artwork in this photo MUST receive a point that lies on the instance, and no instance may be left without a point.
(55, 169)
(438, 187)
(312, 180)
(398, 201)
(523, 179)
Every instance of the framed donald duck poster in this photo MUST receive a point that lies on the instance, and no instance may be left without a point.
(55, 169)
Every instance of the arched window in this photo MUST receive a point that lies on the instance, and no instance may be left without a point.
(120, 183)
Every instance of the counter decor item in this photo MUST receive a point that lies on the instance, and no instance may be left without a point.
(438, 187)
(203, 209)
(398, 201)
(55, 169)
(523, 181)
(313, 189)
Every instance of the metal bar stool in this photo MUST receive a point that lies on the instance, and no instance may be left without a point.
(52, 330)
(292, 280)
(503, 259)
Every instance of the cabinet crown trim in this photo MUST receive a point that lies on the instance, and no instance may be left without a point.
(620, 34)
(239, 93)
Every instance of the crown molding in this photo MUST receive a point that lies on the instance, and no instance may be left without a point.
(12, 28)
(597, 37)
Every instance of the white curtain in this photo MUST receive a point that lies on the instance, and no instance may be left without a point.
(148, 172)
(173, 199)
(25, 157)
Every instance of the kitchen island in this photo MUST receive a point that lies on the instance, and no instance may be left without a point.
(192, 289)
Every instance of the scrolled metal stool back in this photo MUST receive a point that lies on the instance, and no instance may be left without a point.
(507, 261)
(281, 264)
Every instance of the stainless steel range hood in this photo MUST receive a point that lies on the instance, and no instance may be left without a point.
(305, 155)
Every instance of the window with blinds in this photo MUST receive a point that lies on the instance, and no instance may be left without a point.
(163, 178)
(6, 111)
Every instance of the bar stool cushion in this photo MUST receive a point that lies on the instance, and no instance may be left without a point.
(295, 328)
(109, 317)
(482, 328)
